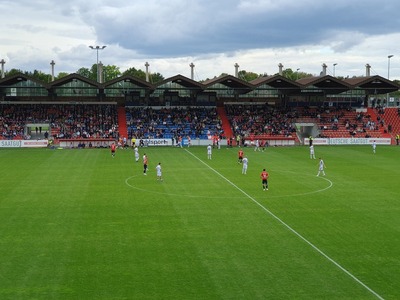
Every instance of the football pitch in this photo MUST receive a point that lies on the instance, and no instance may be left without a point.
(79, 224)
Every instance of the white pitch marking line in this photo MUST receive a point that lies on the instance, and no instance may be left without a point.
(291, 229)
(307, 193)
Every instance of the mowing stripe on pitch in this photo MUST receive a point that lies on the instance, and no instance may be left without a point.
(288, 227)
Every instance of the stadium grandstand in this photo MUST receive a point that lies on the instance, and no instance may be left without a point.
(274, 109)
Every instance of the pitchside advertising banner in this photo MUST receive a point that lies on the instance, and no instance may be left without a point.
(157, 142)
(185, 142)
(23, 143)
(349, 141)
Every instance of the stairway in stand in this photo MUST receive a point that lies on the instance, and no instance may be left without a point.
(372, 112)
(392, 119)
(122, 128)
(226, 125)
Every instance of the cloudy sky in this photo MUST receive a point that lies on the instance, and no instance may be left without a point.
(213, 34)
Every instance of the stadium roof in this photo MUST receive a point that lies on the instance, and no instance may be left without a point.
(17, 78)
(233, 86)
(183, 81)
(373, 84)
(128, 78)
(283, 84)
(71, 78)
(329, 84)
(231, 82)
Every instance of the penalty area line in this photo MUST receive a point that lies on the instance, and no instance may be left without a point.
(290, 229)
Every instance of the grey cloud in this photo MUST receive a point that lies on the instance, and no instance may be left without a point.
(194, 27)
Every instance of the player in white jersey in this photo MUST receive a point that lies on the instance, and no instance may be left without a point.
(209, 151)
(137, 157)
(158, 171)
(321, 167)
(245, 162)
(257, 145)
(312, 154)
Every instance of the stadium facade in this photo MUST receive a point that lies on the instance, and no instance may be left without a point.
(183, 91)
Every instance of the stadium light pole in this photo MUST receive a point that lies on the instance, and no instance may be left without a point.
(334, 69)
(2, 62)
(387, 95)
(52, 64)
(297, 73)
(389, 57)
(97, 48)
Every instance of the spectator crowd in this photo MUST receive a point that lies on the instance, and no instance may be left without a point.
(172, 122)
(74, 121)
(65, 120)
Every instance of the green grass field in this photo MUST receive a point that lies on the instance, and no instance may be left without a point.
(78, 224)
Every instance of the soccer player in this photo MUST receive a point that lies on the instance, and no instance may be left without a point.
(158, 171)
(113, 149)
(257, 145)
(145, 162)
(189, 141)
(245, 162)
(321, 167)
(264, 179)
(374, 147)
(264, 144)
(136, 149)
(209, 151)
(240, 156)
(312, 155)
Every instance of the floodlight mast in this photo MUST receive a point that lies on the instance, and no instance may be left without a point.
(97, 48)
(387, 94)
(334, 69)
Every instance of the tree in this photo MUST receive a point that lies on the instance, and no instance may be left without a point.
(290, 74)
(248, 76)
(153, 77)
(135, 73)
(39, 75)
(13, 72)
(61, 75)
(111, 72)
(85, 72)
(156, 77)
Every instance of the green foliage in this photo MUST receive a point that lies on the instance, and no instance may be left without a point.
(13, 72)
(156, 77)
(135, 73)
(153, 77)
(85, 72)
(294, 75)
(111, 72)
(248, 76)
(39, 75)
(61, 75)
